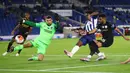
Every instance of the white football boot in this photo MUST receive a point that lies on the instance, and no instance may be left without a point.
(69, 54)
(101, 56)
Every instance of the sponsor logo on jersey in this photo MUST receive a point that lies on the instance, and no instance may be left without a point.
(48, 31)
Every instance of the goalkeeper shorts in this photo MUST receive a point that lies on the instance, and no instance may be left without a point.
(41, 47)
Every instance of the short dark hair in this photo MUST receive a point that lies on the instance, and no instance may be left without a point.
(102, 15)
(48, 17)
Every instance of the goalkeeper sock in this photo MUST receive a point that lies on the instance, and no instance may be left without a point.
(35, 58)
(18, 47)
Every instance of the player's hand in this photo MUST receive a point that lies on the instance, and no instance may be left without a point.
(82, 32)
(77, 31)
(22, 21)
(12, 33)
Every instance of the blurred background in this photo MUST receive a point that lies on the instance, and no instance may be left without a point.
(71, 14)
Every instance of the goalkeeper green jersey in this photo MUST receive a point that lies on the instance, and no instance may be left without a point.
(46, 32)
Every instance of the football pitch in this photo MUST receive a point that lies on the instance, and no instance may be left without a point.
(56, 61)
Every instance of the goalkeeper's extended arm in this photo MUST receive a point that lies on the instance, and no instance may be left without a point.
(30, 23)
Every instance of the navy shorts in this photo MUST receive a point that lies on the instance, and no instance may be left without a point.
(87, 38)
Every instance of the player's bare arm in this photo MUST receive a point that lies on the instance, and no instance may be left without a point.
(91, 32)
(94, 13)
(121, 34)
(30, 30)
(83, 32)
(125, 62)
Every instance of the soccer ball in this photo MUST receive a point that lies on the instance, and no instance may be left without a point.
(19, 39)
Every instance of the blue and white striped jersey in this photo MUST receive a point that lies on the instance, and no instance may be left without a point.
(90, 25)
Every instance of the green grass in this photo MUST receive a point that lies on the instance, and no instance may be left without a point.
(56, 62)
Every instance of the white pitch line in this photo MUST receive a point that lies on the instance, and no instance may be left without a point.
(52, 71)
(56, 69)
(78, 67)
(79, 72)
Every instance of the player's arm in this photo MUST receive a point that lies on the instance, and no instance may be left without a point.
(98, 30)
(30, 23)
(17, 27)
(118, 30)
(93, 31)
(77, 30)
(94, 13)
(30, 30)
(84, 32)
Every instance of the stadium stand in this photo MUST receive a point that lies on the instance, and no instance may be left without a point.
(12, 10)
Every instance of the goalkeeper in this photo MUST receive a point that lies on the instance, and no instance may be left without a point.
(47, 31)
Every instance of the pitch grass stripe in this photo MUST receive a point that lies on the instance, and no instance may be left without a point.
(84, 55)
(74, 55)
(56, 69)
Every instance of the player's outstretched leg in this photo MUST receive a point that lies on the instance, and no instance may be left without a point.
(8, 48)
(125, 62)
(19, 51)
(74, 50)
(92, 52)
(101, 56)
(87, 59)
(20, 47)
(69, 54)
(39, 57)
(41, 50)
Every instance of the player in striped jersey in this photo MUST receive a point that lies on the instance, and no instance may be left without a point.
(87, 36)
(106, 29)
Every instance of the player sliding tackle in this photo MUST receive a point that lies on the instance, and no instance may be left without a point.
(88, 35)
(106, 29)
(47, 30)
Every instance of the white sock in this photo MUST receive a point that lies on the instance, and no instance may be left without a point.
(89, 56)
(99, 54)
(74, 50)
